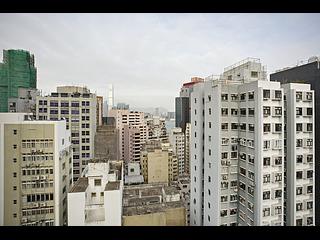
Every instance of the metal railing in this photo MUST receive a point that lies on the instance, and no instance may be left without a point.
(249, 59)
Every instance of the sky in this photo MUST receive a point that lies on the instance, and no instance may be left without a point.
(147, 57)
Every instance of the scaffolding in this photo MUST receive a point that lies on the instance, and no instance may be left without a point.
(16, 71)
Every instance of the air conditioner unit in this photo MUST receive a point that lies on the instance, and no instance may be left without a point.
(43, 204)
(24, 220)
(43, 177)
(37, 177)
(35, 205)
(224, 177)
(228, 162)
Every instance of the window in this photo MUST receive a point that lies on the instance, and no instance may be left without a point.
(242, 185)
(254, 74)
(266, 178)
(209, 113)
(309, 220)
(309, 142)
(223, 213)
(209, 152)
(14, 131)
(224, 126)
(266, 127)
(234, 126)
(243, 111)
(298, 96)
(266, 195)
(97, 182)
(224, 111)
(250, 95)
(224, 97)
(298, 206)
(309, 111)
(266, 111)
(278, 177)
(209, 98)
(309, 158)
(277, 210)
(250, 206)
(309, 189)
(233, 211)
(266, 144)
(277, 94)
(278, 161)
(234, 112)
(278, 127)
(250, 191)
(234, 97)
(299, 174)
(299, 127)
(310, 174)
(14, 160)
(278, 193)
(14, 146)
(242, 96)
(224, 155)
(298, 190)
(101, 194)
(251, 127)
(299, 111)
(309, 96)
(225, 141)
(309, 205)
(278, 111)
(266, 212)
(209, 124)
(309, 127)
(299, 143)
(266, 94)
(209, 138)
(93, 194)
(251, 112)
(14, 174)
(224, 198)
(299, 222)
(233, 198)
(251, 175)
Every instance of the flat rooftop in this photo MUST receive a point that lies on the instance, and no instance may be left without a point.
(80, 185)
(110, 186)
(148, 198)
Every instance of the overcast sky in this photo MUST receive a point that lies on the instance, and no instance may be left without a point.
(148, 56)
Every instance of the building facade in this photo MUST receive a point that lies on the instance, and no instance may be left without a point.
(16, 72)
(78, 106)
(37, 158)
(99, 111)
(96, 197)
(309, 73)
(238, 149)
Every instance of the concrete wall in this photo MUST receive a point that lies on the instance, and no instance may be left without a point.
(76, 206)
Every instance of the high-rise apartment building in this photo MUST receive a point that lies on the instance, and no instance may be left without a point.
(177, 140)
(96, 197)
(238, 149)
(182, 103)
(35, 170)
(78, 106)
(132, 133)
(307, 72)
(17, 75)
(300, 155)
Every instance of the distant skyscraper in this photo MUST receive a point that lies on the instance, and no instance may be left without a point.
(110, 97)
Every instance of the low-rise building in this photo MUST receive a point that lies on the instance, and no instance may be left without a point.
(134, 174)
(153, 205)
(96, 198)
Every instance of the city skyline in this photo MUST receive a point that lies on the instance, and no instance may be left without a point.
(143, 54)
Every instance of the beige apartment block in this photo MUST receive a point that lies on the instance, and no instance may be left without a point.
(153, 205)
(158, 162)
(79, 107)
(37, 158)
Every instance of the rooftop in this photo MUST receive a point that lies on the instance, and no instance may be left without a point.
(80, 185)
(110, 186)
(149, 198)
